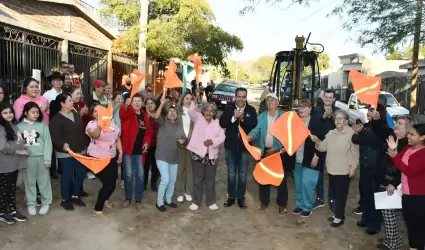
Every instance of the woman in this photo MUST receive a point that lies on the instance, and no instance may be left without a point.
(150, 158)
(207, 136)
(390, 178)
(184, 184)
(13, 158)
(307, 166)
(410, 162)
(31, 93)
(67, 133)
(170, 134)
(108, 92)
(136, 138)
(371, 140)
(4, 95)
(342, 160)
(104, 144)
(117, 101)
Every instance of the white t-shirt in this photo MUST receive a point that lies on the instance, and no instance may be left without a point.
(52, 94)
(186, 121)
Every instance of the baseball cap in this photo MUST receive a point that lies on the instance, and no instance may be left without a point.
(99, 83)
(273, 95)
(149, 85)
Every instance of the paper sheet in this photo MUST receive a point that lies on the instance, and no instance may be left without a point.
(385, 201)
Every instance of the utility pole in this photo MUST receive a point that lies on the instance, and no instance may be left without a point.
(415, 59)
(144, 6)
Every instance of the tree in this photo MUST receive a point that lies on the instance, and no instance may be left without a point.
(322, 59)
(235, 68)
(261, 69)
(176, 28)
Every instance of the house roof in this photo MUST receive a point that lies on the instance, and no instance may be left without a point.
(389, 74)
(354, 55)
(82, 9)
(409, 64)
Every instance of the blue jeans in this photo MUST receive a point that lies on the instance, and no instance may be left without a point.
(168, 181)
(73, 174)
(237, 165)
(305, 183)
(133, 169)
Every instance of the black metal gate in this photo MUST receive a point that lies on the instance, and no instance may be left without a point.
(90, 63)
(122, 65)
(21, 52)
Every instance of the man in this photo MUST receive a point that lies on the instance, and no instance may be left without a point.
(55, 79)
(324, 114)
(244, 115)
(270, 145)
(148, 92)
(74, 76)
(98, 95)
(63, 67)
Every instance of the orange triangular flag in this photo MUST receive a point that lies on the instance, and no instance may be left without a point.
(291, 131)
(94, 164)
(366, 87)
(104, 117)
(254, 151)
(269, 171)
(136, 79)
(197, 61)
(171, 78)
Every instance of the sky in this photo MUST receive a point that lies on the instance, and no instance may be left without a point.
(273, 28)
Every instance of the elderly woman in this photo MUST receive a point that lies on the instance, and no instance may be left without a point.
(342, 160)
(207, 136)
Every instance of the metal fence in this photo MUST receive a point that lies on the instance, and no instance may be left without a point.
(90, 63)
(399, 87)
(21, 52)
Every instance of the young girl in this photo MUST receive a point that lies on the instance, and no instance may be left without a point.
(170, 134)
(12, 155)
(410, 162)
(118, 101)
(37, 140)
(150, 158)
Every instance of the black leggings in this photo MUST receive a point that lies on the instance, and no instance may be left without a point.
(108, 176)
(414, 215)
(340, 185)
(151, 164)
(8, 192)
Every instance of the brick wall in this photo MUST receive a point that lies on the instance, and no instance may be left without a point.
(53, 15)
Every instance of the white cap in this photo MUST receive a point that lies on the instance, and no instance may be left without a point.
(273, 95)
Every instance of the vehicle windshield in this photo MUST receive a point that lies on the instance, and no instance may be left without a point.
(391, 101)
(226, 88)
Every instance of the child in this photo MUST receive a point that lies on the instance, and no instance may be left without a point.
(37, 140)
(410, 162)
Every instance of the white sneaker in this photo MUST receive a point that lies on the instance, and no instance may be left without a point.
(44, 210)
(90, 175)
(188, 197)
(213, 207)
(193, 207)
(180, 199)
(32, 210)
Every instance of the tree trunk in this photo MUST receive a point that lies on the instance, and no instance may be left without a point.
(415, 59)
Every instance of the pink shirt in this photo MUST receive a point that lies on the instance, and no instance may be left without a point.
(18, 106)
(404, 178)
(202, 131)
(105, 145)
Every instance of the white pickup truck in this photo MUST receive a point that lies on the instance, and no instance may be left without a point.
(358, 110)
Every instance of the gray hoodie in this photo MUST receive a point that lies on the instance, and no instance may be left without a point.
(10, 161)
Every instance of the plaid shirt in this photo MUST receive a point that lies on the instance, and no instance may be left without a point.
(155, 128)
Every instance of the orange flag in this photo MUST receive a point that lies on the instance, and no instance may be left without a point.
(366, 87)
(104, 117)
(269, 171)
(171, 78)
(136, 79)
(94, 164)
(254, 151)
(291, 131)
(198, 66)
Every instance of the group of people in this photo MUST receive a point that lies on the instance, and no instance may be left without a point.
(179, 144)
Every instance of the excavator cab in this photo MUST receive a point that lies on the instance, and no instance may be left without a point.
(286, 79)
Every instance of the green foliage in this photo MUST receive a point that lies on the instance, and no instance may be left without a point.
(261, 69)
(404, 54)
(381, 23)
(176, 28)
(323, 61)
(251, 4)
(236, 68)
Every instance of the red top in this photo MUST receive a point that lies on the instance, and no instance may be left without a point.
(85, 118)
(155, 128)
(130, 129)
(415, 170)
